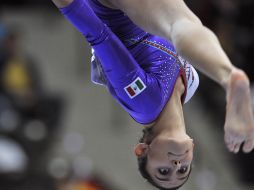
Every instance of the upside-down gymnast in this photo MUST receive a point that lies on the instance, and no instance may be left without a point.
(145, 75)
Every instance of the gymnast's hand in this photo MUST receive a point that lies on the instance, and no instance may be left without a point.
(239, 124)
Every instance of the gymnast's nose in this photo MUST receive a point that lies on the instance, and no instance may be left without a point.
(176, 163)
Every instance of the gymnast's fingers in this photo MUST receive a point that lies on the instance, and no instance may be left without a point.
(237, 148)
(248, 145)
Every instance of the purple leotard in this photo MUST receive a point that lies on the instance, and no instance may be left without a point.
(140, 69)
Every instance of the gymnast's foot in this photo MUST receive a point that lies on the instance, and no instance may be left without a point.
(239, 124)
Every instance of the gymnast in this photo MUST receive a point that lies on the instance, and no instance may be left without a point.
(145, 67)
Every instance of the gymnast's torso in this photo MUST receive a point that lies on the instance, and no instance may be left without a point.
(156, 56)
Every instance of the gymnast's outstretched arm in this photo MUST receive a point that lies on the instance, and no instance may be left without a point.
(173, 20)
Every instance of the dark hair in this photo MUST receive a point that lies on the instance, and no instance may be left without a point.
(147, 138)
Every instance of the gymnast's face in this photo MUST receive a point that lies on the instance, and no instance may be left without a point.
(169, 161)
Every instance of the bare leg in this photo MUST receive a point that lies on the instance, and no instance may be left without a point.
(239, 124)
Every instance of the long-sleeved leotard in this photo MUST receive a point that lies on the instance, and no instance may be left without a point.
(140, 69)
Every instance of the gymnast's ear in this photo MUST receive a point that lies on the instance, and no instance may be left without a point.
(140, 149)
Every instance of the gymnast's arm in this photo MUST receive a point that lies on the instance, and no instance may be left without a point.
(173, 20)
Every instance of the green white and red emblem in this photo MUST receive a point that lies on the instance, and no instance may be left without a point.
(135, 88)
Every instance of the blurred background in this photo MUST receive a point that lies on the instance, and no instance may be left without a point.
(58, 131)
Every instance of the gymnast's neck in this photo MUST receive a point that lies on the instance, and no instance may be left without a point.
(171, 119)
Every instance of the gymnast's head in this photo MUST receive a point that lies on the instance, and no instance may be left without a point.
(165, 160)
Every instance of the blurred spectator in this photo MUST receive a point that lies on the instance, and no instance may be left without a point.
(29, 119)
(20, 78)
(29, 122)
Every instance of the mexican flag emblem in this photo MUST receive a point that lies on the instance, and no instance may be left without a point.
(135, 88)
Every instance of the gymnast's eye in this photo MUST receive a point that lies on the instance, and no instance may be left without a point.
(183, 170)
(163, 171)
